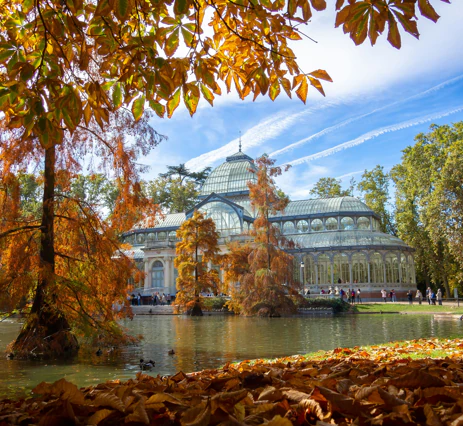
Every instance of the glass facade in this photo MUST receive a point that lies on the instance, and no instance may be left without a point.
(339, 239)
(227, 221)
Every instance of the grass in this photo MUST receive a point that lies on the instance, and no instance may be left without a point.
(414, 349)
(405, 307)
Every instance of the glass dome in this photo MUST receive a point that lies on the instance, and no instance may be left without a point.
(231, 176)
(352, 239)
(325, 205)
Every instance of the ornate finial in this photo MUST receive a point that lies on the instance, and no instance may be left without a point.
(240, 142)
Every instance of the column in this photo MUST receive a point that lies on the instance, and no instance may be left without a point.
(399, 265)
(167, 272)
(147, 283)
(332, 272)
(316, 272)
(350, 270)
(384, 270)
(369, 276)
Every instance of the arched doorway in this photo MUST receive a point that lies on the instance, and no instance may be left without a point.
(157, 275)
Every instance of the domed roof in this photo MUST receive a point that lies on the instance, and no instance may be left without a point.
(230, 177)
(333, 205)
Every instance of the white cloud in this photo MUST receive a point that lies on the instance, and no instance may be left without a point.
(330, 129)
(257, 135)
(373, 134)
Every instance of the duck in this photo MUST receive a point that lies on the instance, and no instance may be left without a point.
(146, 365)
(98, 352)
(171, 352)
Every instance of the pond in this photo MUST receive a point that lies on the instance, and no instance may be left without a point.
(212, 341)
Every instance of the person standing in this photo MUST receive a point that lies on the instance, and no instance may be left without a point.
(419, 296)
(359, 299)
(393, 296)
(433, 298)
(353, 296)
(439, 296)
(384, 295)
(139, 299)
(410, 297)
(428, 295)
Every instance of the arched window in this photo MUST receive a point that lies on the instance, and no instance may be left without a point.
(227, 221)
(376, 268)
(162, 236)
(172, 236)
(341, 268)
(331, 224)
(347, 223)
(157, 275)
(308, 270)
(363, 223)
(392, 268)
(288, 228)
(317, 225)
(324, 270)
(404, 268)
(150, 237)
(140, 238)
(359, 268)
(302, 226)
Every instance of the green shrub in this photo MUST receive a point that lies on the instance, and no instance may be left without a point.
(321, 302)
(213, 303)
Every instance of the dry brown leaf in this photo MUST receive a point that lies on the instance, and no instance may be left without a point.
(99, 416)
(417, 379)
(139, 414)
(294, 395)
(341, 403)
(163, 397)
(313, 407)
(106, 399)
(62, 389)
(431, 418)
(197, 416)
(270, 393)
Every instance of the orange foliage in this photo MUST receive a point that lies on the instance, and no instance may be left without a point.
(197, 247)
(87, 282)
(263, 270)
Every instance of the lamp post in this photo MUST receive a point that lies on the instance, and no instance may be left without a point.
(302, 276)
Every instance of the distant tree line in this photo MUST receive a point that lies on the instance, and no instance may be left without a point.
(426, 209)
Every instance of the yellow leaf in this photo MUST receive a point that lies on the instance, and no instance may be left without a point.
(173, 103)
(301, 92)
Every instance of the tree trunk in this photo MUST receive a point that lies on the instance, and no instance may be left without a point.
(446, 286)
(46, 333)
(196, 311)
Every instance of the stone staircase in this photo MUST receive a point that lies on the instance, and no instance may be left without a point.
(153, 310)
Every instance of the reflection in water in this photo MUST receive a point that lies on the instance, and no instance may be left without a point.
(212, 341)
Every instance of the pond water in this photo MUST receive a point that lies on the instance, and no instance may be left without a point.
(211, 341)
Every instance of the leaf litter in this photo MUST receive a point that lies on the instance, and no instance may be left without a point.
(349, 386)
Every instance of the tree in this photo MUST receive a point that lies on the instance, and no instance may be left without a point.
(176, 194)
(68, 70)
(428, 203)
(375, 189)
(262, 268)
(196, 250)
(328, 188)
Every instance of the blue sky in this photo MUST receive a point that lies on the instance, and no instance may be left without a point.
(380, 99)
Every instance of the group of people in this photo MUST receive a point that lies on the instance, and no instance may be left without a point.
(392, 295)
(351, 295)
(158, 299)
(154, 299)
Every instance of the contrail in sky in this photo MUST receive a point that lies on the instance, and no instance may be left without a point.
(359, 117)
(255, 136)
(371, 135)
